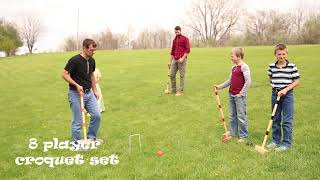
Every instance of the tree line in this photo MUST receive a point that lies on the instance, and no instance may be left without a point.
(107, 39)
(208, 23)
(226, 23)
(211, 23)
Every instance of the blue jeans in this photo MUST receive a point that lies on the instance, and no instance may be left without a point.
(284, 111)
(91, 105)
(238, 116)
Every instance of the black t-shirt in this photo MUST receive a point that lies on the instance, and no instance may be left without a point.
(80, 71)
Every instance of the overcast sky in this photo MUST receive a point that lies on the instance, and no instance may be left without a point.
(60, 16)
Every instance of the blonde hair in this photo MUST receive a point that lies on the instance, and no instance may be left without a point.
(239, 52)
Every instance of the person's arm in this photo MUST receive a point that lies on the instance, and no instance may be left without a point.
(70, 66)
(224, 84)
(97, 74)
(187, 45)
(269, 73)
(247, 78)
(94, 81)
(171, 53)
(295, 83)
(93, 85)
(66, 76)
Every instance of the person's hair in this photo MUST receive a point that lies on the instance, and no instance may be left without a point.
(239, 52)
(177, 28)
(280, 46)
(87, 42)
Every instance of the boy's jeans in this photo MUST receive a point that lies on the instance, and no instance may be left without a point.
(285, 109)
(238, 116)
(91, 105)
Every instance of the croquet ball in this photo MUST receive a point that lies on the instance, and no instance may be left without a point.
(160, 153)
(225, 140)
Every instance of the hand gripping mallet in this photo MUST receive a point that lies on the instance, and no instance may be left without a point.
(226, 135)
(261, 149)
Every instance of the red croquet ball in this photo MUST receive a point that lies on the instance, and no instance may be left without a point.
(225, 140)
(160, 153)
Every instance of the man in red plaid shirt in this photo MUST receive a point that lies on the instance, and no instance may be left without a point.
(178, 60)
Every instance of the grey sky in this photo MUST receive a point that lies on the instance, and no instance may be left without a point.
(59, 16)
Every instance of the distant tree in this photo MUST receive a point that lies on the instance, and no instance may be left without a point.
(9, 38)
(151, 39)
(310, 32)
(70, 44)
(256, 26)
(107, 40)
(123, 40)
(268, 27)
(31, 30)
(212, 20)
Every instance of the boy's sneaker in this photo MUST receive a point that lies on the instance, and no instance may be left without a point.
(281, 149)
(272, 145)
(245, 141)
(179, 93)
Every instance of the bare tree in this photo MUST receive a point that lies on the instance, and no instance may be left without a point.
(151, 39)
(212, 20)
(107, 39)
(256, 26)
(268, 27)
(32, 28)
(70, 44)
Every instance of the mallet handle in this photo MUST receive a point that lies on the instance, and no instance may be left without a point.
(84, 128)
(220, 109)
(168, 81)
(270, 122)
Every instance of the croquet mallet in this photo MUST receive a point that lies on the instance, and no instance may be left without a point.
(261, 149)
(167, 91)
(84, 127)
(226, 135)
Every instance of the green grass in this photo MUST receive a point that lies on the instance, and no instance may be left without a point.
(188, 129)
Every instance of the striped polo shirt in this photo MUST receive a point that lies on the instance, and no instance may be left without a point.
(283, 77)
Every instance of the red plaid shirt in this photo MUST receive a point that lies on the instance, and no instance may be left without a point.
(180, 46)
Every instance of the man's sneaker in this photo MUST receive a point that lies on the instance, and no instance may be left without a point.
(96, 141)
(281, 149)
(272, 145)
(179, 94)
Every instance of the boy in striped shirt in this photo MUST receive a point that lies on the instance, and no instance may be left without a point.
(284, 76)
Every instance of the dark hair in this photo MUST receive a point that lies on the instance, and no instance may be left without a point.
(87, 42)
(280, 46)
(177, 28)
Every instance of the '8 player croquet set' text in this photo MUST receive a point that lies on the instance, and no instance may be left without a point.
(77, 159)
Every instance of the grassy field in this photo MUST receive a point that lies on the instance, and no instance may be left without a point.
(34, 104)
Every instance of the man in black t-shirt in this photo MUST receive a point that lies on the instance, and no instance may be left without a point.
(79, 74)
